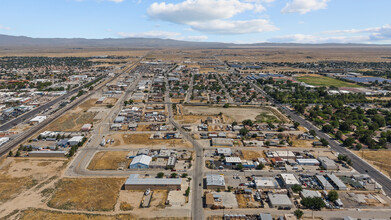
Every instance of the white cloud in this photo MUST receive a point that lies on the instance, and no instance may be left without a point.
(197, 10)
(211, 16)
(304, 6)
(116, 1)
(4, 28)
(151, 34)
(234, 27)
(163, 35)
(313, 39)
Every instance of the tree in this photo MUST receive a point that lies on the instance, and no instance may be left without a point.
(267, 143)
(324, 142)
(327, 128)
(239, 166)
(297, 188)
(160, 175)
(338, 134)
(10, 154)
(17, 154)
(174, 175)
(296, 124)
(348, 142)
(312, 132)
(260, 166)
(314, 203)
(184, 175)
(226, 105)
(187, 192)
(247, 122)
(299, 213)
(332, 195)
(243, 131)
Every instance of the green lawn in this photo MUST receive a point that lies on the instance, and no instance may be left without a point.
(325, 81)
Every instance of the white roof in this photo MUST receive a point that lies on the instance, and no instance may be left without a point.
(224, 150)
(289, 179)
(233, 160)
(283, 154)
(38, 118)
(265, 182)
(76, 139)
(307, 161)
(279, 199)
(143, 159)
(310, 193)
(215, 180)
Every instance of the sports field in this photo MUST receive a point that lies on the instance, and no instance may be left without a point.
(318, 80)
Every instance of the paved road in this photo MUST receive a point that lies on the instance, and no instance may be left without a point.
(358, 164)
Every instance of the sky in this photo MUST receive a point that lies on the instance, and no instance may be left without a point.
(233, 21)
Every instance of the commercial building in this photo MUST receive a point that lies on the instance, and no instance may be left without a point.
(134, 182)
(223, 151)
(327, 163)
(86, 127)
(305, 193)
(280, 201)
(324, 183)
(37, 120)
(336, 182)
(215, 181)
(47, 153)
(232, 161)
(140, 162)
(289, 179)
(265, 183)
(308, 162)
(75, 140)
(4, 140)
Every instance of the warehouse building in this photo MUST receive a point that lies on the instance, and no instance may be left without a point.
(47, 153)
(265, 183)
(37, 120)
(215, 181)
(289, 180)
(280, 201)
(75, 140)
(308, 162)
(327, 163)
(324, 183)
(86, 127)
(336, 182)
(231, 161)
(140, 162)
(305, 193)
(223, 151)
(134, 182)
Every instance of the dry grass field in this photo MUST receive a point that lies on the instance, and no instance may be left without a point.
(135, 140)
(74, 119)
(246, 202)
(20, 174)
(39, 214)
(379, 158)
(301, 143)
(109, 160)
(251, 155)
(91, 194)
(232, 114)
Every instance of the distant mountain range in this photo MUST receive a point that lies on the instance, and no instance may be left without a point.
(11, 42)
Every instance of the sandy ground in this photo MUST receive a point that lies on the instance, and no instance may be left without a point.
(109, 160)
(380, 159)
(251, 155)
(235, 114)
(143, 140)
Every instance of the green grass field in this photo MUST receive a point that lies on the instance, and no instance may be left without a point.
(318, 80)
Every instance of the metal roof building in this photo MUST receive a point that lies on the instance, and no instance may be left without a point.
(215, 181)
(325, 184)
(327, 163)
(135, 182)
(140, 162)
(337, 182)
(289, 179)
(280, 201)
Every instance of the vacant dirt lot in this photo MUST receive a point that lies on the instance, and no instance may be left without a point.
(20, 174)
(233, 114)
(38, 214)
(251, 155)
(379, 158)
(135, 140)
(92, 194)
(301, 143)
(109, 160)
(74, 119)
